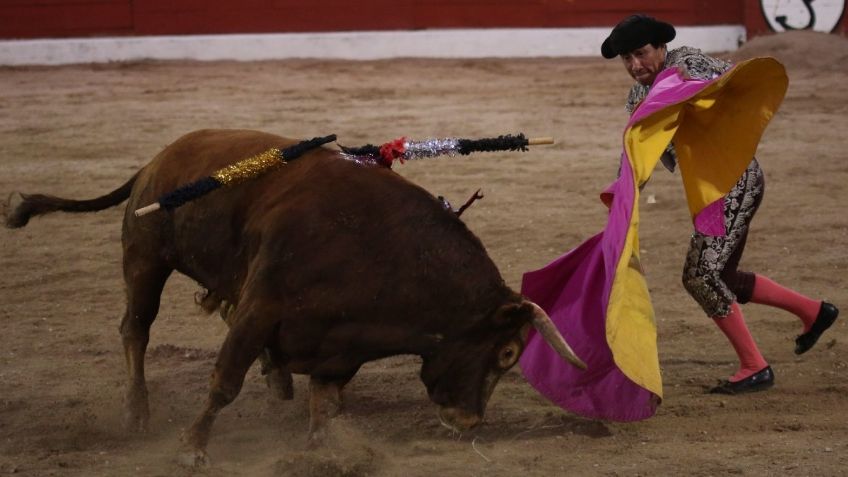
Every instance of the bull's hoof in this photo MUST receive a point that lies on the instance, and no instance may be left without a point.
(136, 418)
(317, 438)
(281, 384)
(137, 413)
(194, 459)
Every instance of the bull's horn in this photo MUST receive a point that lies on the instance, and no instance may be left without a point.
(543, 324)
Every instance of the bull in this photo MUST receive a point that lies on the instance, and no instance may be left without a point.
(324, 264)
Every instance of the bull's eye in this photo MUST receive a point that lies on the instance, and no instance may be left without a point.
(508, 355)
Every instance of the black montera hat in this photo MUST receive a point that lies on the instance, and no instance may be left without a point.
(635, 32)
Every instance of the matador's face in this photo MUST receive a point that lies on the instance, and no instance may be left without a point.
(645, 63)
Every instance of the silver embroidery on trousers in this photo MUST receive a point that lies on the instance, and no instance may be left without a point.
(707, 255)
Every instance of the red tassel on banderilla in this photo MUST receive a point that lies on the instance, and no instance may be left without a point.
(403, 149)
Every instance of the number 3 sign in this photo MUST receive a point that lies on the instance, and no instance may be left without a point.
(818, 15)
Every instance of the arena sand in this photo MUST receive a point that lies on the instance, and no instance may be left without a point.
(80, 131)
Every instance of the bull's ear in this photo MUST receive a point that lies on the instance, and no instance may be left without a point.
(513, 314)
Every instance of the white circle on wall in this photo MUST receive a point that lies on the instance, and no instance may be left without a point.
(818, 15)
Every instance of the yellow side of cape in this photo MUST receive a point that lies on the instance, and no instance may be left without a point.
(722, 126)
(715, 133)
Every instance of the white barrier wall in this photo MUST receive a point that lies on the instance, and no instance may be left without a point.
(454, 43)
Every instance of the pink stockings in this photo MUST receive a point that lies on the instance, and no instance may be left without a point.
(769, 293)
(733, 326)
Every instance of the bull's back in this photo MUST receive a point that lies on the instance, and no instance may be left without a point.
(319, 230)
(197, 155)
(203, 238)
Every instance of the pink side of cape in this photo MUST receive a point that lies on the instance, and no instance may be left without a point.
(575, 288)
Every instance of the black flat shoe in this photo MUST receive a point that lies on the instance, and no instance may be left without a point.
(827, 315)
(759, 381)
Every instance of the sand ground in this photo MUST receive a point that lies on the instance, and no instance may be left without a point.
(80, 131)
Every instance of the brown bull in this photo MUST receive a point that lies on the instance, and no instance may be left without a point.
(326, 264)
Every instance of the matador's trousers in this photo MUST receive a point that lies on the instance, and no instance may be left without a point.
(710, 274)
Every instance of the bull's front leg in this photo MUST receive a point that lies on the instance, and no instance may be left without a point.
(277, 376)
(325, 403)
(244, 343)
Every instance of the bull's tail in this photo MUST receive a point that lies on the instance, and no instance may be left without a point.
(19, 208)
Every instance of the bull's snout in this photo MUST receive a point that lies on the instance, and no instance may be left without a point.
(457, 419)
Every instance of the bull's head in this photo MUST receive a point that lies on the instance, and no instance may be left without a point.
(462, 372)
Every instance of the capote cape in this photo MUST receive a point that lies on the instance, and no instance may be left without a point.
(596, 293)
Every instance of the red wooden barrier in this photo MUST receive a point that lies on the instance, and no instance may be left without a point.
(76, 18)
